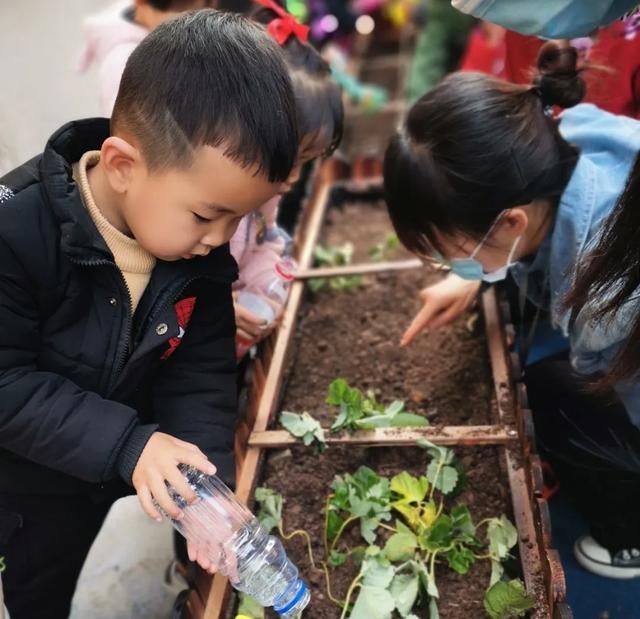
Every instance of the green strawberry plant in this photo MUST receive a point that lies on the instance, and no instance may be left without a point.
(407, 528)
(332, 256)
(354, 411)
(381, 250)
(359, 411)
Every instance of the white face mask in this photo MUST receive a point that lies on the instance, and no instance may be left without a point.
(499, 274)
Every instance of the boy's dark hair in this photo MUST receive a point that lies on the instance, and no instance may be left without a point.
(318, 96)
(475, 146)
(209, 78)
(180, 5)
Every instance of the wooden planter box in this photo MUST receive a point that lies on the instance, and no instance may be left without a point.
(511, 431)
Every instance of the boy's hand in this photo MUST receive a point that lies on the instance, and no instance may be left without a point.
(443, 303)
(158, 464)
(251, 327)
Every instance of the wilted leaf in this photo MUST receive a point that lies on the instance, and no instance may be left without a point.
(404, 590)
(373, 603)
(304, 426)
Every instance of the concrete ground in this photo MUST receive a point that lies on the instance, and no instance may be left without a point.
(40, 90)
(124, 577)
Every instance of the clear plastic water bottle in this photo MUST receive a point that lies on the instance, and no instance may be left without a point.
(256, 299)
(254, 561)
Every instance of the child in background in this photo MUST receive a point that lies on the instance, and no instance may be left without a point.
(486, 50)
(258, 244)
(112, 35)
(481, 176)
(117, 357)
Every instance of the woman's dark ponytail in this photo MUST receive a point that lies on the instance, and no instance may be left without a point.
(559, 80)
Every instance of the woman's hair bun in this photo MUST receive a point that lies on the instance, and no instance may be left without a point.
(559, 80)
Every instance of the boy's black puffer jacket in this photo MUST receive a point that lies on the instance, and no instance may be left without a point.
(83, 384)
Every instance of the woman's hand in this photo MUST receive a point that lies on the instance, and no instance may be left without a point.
(443, 303)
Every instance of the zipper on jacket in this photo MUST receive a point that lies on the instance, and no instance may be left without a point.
(122, 351)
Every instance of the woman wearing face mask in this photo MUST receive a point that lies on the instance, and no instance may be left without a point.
(483, 178)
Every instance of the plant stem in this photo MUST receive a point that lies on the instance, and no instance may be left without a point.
(388, 527)
(348, 521)
(326, 525)
(327, 580)
(352, 587)
(303, 533)
(435, 479)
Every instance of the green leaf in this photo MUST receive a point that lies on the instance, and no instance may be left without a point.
(368, 528)
(502, 536)
(506, 600)
(373, 603)
(334, 523)
(401, 546)
(249, 607)
(410, 488)
(432, 588)
(433, 609)
(404, 591)
(336, 558)
(376, 570)
(408, 420)
(444, 478)
(397, 406)
(497, 571)
(439, 535)
(462, 521)
(270, 511)
(438, 452)
(317, 284)
(304, 426)
(338, 391)
(460, 559)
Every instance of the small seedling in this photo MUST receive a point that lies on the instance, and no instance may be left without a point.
(381, 250)
(332, 256)
(357, 411)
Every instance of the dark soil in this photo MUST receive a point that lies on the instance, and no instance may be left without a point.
(362, 224)
(305, 479)
(355, 335)
(444, 375)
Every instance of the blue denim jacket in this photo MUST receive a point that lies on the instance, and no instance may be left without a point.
(553, 19)
(608, 147)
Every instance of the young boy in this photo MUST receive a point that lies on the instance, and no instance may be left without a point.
(116, 318)
(112, 34)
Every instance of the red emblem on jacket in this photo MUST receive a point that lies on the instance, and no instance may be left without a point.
(184, 309)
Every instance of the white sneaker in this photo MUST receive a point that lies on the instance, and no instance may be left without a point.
(597, 559)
